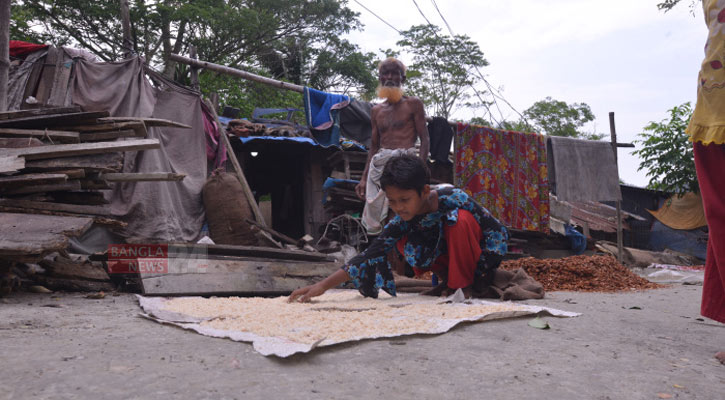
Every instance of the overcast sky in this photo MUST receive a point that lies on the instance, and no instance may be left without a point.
(624, 56)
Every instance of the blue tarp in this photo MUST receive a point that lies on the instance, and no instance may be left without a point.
(693, 242)
(332, 182)
(303, 140)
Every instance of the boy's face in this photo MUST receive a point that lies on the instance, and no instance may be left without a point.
(407, 203)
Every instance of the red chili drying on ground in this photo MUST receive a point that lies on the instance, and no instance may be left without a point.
(581, 274)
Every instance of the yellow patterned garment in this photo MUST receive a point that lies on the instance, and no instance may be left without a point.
(708, 121)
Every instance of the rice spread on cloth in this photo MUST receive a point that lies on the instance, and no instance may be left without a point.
(279, 328)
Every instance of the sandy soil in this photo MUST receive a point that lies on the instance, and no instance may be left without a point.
(61, 346)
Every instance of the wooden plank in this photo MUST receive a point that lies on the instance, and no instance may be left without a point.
(97, 219)
(97, 162)
(69, 185)
(46, 76)
(142, 177)
(138, 127)
(11, 164)
(28, 234)
(217, 277)
(251, 251)
(17, 143)
(110, 135)
(31, 179)
(54, 120)
(146, 121)
(60, 81)
(56, 136)
(69, 150)
(38, 111)
(69, 208)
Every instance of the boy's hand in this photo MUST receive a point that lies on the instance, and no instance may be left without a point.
(360, 189)
(303, 295)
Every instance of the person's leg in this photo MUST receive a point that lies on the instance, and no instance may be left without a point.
(709, 162)
(464, 250)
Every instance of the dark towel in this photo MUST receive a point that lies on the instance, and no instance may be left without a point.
(441, 135)
(355, 122)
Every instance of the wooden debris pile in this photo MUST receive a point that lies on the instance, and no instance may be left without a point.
(55, 166)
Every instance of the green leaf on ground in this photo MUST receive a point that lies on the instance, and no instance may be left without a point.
(539, 323)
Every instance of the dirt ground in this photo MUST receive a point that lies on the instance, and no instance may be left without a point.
(644, 345)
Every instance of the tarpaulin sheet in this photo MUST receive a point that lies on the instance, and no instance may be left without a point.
(682, 212)
(154, 211)
(282, 329)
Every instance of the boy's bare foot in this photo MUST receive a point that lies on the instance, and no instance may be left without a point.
(720, 357)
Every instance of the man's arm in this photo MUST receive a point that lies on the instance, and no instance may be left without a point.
(421, 129)
(374, 147)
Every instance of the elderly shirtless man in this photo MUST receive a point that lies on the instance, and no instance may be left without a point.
(397, 123)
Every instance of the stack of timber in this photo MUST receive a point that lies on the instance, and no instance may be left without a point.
(56, 168)
(342, 198)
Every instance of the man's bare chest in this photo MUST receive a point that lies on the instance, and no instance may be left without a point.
(394, 120)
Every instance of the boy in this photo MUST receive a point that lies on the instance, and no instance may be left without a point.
(440, 230)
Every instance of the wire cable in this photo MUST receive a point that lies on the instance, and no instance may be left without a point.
(378, 17)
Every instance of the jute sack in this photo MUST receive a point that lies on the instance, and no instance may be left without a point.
(227, 210)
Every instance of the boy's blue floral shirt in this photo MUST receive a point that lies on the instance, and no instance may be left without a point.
(371, 271)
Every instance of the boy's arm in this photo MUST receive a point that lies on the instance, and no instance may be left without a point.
(303, 295)
(421, 129)
(374, 147)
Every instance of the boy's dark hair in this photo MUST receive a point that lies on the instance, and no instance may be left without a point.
(405, 172)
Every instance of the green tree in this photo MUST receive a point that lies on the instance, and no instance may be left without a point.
(283, 39)
(667, 154)
(441, 71)
(557, 118)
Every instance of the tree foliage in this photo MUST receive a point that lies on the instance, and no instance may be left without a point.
(441, 71)
(296, 41)
(557, 118)
(668, 5)
(667, 153)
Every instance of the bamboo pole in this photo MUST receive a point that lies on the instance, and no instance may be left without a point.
(236, 72)
(613, 133)
(4, 52)
(126, 24)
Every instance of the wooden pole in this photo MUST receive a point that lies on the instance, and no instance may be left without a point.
(613, 133)
(4, 52)
(236, 72)
(194, 70)
(126, 24)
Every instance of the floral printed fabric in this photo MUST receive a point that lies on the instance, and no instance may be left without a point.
(505, 172)
(707, 124)
(370, 271)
